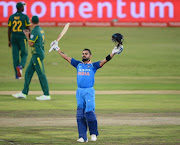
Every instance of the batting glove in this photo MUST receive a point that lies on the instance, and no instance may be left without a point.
(54, 47)
(117, 49)
(53, 43)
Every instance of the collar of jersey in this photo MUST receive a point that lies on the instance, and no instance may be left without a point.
(87, 63)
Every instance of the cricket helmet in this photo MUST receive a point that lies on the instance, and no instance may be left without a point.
(117, 38)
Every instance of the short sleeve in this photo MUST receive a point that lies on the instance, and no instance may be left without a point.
(33, 37)
(27, 21)
(74, 62)
(96, 65)
(9, 22)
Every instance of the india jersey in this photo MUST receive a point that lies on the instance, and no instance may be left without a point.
(85, 73)
(18, 23)
(37, 37)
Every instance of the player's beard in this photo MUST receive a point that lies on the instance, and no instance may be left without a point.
(85, 59)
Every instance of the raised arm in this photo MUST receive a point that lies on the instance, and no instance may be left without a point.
(118, 40)
(63, 55)
(117, 50)
(54, 46)
(102, 62)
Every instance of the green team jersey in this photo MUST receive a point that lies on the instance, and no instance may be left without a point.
(18, 23)
(37, 37)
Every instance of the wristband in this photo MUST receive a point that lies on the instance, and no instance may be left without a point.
(108, 58)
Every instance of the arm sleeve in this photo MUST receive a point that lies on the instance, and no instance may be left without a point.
(96, 65)
(9, 22)
(27, 21)
(74, 62)
(33, 37)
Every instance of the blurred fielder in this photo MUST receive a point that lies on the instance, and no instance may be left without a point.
(36, 41)
(16, 24)
(85, 93)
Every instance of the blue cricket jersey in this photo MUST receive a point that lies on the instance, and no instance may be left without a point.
(85, 73)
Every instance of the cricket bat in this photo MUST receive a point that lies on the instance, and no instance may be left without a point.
(61, 34)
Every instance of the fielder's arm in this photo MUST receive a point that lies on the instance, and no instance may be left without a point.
(9, 36)
(63, 55)
(27, 34)
(28, 28)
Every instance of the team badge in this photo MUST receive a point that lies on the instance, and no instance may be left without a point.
(31, 36)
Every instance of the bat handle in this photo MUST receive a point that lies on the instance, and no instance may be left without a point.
(50, 49)
(58, 38)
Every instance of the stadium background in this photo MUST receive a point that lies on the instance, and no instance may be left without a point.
(106, 12)
(137, 93)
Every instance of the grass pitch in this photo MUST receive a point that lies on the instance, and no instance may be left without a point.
(107, 107)
(149, 61)
(110, 135)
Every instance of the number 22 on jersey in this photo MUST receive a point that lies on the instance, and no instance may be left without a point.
(17, 26)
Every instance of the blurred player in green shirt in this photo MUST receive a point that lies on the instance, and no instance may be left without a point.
(16, 24)
(36, 41)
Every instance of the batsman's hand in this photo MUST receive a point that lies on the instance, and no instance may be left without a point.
(53, 43)
(54, 47)
(117, 49)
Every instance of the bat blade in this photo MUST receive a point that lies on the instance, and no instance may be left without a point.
(63, 31)
(60, 35)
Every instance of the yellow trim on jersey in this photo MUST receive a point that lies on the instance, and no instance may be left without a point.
(27, 24)
(26, 46)
(33, 50)
(40, 64)
(9, 24)
(31, 41)
(34, 40)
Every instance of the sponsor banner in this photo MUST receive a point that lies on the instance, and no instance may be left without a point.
(126, 24)
(47, 24)
(106, 24)
(73, 24)
(152, 24)
(98, 24)
(174, 24)
(96, 10)
(4, 24)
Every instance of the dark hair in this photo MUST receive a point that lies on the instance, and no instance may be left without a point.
(86, 49)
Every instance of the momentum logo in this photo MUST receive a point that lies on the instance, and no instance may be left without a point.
(97, 10)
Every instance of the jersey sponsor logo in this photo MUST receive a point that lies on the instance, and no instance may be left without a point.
(84, 69)
(83, 73)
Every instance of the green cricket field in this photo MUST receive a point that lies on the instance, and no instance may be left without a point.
(137, 92)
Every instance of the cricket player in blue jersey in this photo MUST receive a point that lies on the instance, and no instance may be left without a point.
(85, 94)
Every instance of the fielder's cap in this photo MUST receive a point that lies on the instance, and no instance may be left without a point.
(19, 5)
(35, 19)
